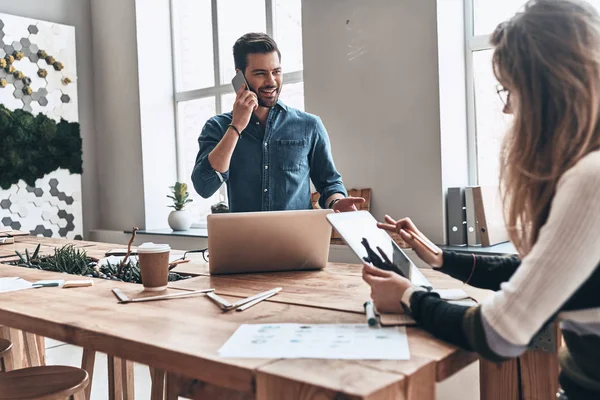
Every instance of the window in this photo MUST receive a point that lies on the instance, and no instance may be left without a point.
(486, 122)
(204, 32)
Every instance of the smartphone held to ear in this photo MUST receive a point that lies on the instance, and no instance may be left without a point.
(238, 81)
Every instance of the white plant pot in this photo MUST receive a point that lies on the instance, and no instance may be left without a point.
(180, 220)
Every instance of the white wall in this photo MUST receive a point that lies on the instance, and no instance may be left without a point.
(371, 73)
(75, 13)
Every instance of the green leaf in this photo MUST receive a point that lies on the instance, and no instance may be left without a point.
(37, 250)
(21, 257)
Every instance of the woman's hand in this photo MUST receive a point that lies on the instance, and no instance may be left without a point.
(404, 227)
(387, 288)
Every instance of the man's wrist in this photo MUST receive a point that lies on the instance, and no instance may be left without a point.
(235, 129)
(239, 124)
(332, 202)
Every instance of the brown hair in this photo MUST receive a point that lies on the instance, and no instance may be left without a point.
(548, 58)
(252, 43)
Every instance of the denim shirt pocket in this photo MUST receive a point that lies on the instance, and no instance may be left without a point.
(292, 155)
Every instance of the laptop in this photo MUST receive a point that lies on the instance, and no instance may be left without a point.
(268, 241)
(355, 226)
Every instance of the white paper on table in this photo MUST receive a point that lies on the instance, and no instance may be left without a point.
(14, 284)
(324, 341)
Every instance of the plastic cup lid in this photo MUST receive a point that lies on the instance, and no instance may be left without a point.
(150, 247)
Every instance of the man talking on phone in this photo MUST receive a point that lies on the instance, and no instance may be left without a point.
(266, 152)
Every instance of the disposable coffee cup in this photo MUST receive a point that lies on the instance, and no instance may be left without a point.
(154, 265)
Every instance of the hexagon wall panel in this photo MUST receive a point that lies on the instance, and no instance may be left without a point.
(52, 207)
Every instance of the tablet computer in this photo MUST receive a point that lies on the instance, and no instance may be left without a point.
(355, 226)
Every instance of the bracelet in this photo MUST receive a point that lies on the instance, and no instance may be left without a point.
(235, 129)
(472, 270)
(333, 202)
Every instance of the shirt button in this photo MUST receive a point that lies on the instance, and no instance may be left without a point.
(266, 167)
(265, 145)
(266, 190)
(257, 123)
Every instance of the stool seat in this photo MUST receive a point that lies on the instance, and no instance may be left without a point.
(5, 346)
(42, 383)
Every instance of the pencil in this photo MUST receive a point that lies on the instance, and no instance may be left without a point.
(423, 242)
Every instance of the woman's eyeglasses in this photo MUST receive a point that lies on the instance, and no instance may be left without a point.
(504, 94)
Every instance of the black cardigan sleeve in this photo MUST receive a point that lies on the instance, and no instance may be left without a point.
(488, 273)
(456, 324)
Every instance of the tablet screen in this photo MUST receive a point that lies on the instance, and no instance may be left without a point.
(354, 226)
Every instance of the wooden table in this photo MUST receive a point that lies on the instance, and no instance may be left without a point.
(182, 336)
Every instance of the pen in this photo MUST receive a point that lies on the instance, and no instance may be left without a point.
(240, 303)
(224, 304)
(370, 311)
(123, 298)
(423, 242)
(256, 301)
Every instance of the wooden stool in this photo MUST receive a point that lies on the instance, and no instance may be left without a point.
(5, 346)
(44, 383)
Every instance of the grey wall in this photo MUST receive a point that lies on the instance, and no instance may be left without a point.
(371, 73)
(75, 13)
(119, 147)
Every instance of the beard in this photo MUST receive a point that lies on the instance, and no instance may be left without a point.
(266, 99)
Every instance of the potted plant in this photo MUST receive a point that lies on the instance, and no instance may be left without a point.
(179, 219)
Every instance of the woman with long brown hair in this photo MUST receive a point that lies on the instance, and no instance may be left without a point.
(547, 60)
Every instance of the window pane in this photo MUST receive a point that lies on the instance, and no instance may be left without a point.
(287, 31)
(488, 14)
(194, 65)
(237, 17)
(491, 122)
(227, 101)
(192, 115)
(292, 95)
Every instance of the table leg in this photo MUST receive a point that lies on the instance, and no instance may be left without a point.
(128, 380)
(539, 375)
(115, 381)
(158, 384)
(421, 385)
(87, 363)
(498, 381)
(31, 349)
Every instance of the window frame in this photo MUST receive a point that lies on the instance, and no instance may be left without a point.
(217, 90)
(473, 43)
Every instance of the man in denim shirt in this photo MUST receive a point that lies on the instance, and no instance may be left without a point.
(266, 152)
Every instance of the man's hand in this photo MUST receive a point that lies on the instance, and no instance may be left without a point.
(348, 204)
(245, 103)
